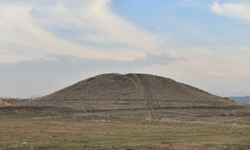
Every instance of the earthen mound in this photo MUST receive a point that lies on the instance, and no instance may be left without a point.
(129, 92)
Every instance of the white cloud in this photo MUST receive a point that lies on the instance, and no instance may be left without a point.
(246, 48)
(200, 50)
(32, 30)
(232, 10)
(248, 56)
(190, 3)
(213, 63)
(68, 64)
(19, 30)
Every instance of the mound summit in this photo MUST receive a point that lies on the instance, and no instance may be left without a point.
(129, 92)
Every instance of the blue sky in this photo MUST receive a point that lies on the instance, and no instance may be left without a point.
(55, 43)
(180, 19)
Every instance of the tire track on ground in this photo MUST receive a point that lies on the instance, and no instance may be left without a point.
(149, 97)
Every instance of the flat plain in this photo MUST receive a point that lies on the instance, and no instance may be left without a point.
(121, 132)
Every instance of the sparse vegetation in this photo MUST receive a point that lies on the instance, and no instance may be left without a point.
(117, 132)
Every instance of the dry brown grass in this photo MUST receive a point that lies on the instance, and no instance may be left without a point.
(118, 132)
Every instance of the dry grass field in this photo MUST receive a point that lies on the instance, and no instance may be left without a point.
(119, 132)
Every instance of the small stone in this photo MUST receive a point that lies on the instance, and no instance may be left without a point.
(24, 143)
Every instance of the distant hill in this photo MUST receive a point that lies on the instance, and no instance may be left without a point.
(130, 91)
(241, 99)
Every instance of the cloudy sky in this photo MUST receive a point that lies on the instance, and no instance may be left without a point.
(46, 45)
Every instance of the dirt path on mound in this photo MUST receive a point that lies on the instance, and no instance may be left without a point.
(152, 112)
